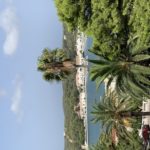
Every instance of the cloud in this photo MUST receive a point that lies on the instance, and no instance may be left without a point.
(2, 92)
(8, 22)
(16, 106)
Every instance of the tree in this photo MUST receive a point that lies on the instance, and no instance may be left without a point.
(139, 23)
(105, 142)
(108, 27)
(55, 65)
(121, 38)
(130, 72)
(111, 23)
(117, 113)
(75, 14)
(114, 23)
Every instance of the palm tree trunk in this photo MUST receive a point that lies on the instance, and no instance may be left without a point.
(140, 114)
(78, 66)
(64, 66)
(114, 136)
(72, 64)
(134, 114)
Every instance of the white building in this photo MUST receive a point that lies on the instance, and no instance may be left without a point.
(81, 82)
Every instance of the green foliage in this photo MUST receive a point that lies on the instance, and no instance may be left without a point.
(108, 27)
(105, 142)
(75, 14)
(110, 113)
(139, 23)
(52, 56)
(51, 63)
(111, 23)
(129, 144)
(130, 72)
(115, 23)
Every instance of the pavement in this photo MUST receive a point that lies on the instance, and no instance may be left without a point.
(146, 108)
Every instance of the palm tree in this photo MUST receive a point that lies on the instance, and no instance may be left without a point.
(55, 64)
(130, 71)
(129, 144)
(116, 112)
(51, 76)
(104, 143)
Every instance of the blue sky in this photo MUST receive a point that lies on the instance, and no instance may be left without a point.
(31, 109)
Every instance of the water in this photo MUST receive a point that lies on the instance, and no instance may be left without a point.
(93, 96)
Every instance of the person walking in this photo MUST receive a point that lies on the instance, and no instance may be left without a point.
(146, 136)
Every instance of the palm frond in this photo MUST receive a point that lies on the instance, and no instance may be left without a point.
(140, 69)
(99, 62)
(139, 90)
(140, 57)
(139, 50)
(143, 79)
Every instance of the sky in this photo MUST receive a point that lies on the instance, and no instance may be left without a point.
(31, 109)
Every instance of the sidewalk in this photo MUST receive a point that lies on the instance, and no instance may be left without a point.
(146, 108)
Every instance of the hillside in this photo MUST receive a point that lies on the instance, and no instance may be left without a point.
(74, 128)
